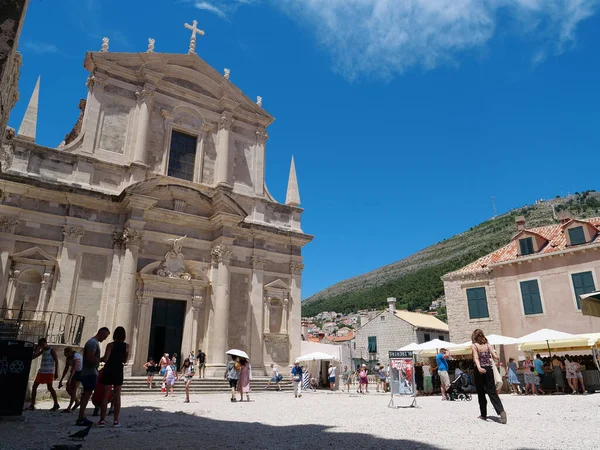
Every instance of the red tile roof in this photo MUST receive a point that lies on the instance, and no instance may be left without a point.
(554, 234)
(345, 338)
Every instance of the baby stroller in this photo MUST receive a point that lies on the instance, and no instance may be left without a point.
(458, 389)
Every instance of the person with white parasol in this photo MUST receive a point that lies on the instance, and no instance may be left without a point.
(232, 371)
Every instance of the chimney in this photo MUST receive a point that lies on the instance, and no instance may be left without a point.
(564, 217)
(520, 221)
(392, 304)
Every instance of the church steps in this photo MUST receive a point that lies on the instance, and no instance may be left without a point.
(138, 385)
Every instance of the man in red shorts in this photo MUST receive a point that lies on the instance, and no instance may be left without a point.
(47, 373)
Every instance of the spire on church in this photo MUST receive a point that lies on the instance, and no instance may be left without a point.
(29, 123)
(292, 197)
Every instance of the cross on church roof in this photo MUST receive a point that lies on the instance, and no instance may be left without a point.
(195, 30)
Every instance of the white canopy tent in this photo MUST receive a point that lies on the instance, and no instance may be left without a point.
(316, 356)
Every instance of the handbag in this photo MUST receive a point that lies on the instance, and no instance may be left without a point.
(497, 377)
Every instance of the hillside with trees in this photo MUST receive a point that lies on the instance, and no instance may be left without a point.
(415, 280)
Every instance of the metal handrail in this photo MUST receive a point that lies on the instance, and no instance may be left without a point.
(29, 325)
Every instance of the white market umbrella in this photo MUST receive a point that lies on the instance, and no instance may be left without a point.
(409, 348)
(496, 339)
(436, 344)
(545, 335)
(235, 352)
(315, 357)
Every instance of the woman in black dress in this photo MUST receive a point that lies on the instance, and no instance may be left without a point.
(116, 354)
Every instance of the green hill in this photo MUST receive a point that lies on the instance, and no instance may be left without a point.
(415, 280)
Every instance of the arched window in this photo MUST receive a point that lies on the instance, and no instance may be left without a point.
(27, 294)
(275, 315)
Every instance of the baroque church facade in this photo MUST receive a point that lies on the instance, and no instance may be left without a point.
(153, 214)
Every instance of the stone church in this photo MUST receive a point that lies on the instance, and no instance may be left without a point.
(154, 214)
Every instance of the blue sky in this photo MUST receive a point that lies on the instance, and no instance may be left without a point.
(405, 118)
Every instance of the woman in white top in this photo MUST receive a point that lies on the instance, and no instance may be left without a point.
(74, 361)
(427, 383)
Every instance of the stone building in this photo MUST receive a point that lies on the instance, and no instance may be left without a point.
(12, 17)
(533, 282)
(154, 214)
(391, 329)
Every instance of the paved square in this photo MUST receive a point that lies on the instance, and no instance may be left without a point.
(321, 420)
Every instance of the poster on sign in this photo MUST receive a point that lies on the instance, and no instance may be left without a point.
(402, 375)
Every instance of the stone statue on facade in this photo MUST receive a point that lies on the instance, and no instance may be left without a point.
(174, 266)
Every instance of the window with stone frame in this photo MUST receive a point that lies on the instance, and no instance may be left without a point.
(477, 303)
(427, 337)
(441, 337)
(372, 344)
(182, 155)
(576, 236)
(583, 283)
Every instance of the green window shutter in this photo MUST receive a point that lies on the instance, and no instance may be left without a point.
(526, 245)
(577, 236)
(372, 344)
(583, 283)
(477, 302)
(532, 300)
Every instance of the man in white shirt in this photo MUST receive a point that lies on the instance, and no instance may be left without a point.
(331, 373)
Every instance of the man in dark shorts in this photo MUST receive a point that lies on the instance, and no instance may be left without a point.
(89, 373)
(201, 364)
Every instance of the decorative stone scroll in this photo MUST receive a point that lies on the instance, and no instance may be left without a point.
(225, 122)
(296, 268)
(8, 224)
(132, 238)
(72, 234)
(258, 263)
(261, 135)
(118, 240)
(173, 266)
(143, 296)
(197, 301)
(221, 254)
(144, 94)
(93, 80)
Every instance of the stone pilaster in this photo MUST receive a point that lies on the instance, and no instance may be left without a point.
(136, 358)
(124, 311)
(197, 302)
(219, 320)
(256, 321)
(259, 167)
(69, 264)
(223, 150)
(145, 98)
(8, 226)
(95, 84)
(295, 309)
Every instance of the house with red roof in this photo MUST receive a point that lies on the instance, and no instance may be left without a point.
(531, 283)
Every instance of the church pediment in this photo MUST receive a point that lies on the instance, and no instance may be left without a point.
(34, 255)
(278, 284)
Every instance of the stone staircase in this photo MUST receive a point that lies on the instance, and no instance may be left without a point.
(138, 385)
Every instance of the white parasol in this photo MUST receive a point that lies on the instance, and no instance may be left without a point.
(545, 335)
(409, 348)
(235, 352)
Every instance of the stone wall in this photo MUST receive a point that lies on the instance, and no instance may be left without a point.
(12, 18)
(461, 326)
(88, 299)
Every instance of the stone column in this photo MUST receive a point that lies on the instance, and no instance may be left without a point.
(259, 166)
(256, 315)
(136, 361)
(219, 339)
(13, 280)
(8, 226)
(267, 324)
(223, 150)
(295, 316)
(196, 306)
(69, 263)
(124, 312)
(284, 316)
(46, 283)
(145, 100)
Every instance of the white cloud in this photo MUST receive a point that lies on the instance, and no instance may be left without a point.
(211, 8)
(222, 8)
(382, 38)
(40, 47)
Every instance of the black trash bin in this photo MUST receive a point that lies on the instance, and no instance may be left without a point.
(15, 362)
